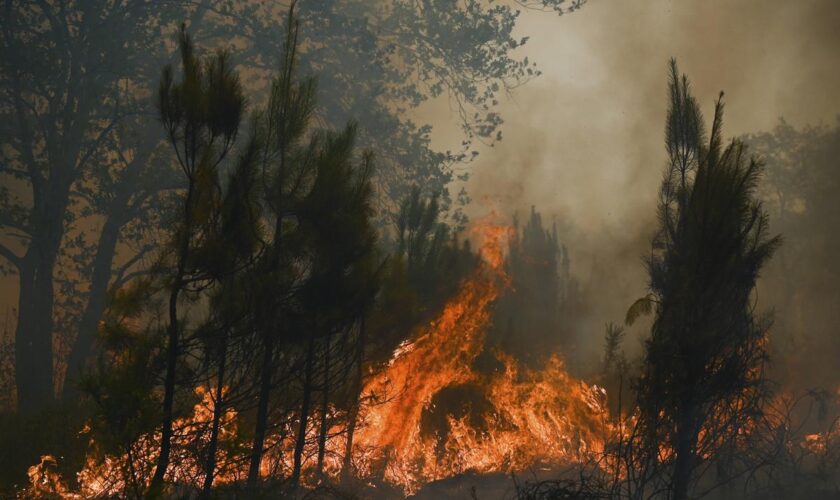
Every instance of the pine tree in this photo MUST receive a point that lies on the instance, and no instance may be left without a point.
(335, 218)
(702, 374)
(288, 165)
(201, 115)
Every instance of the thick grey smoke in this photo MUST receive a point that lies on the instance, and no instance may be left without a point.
(583, 142)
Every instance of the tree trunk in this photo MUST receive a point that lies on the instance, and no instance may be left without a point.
(50, 191)
(89, 323)
(261, 425)
(262, 414)
(347, 467)
(218, 408)
(33, 334)
(173, 334)
(304, 414)
(684, 459)
(322, 434)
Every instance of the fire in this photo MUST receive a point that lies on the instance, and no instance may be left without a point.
(438, 357)
(111, 475)
(44, 480)
(535, 416)
(530, 417)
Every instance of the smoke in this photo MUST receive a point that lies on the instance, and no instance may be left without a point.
(584, 141)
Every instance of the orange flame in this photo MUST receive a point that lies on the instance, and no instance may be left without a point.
(535, 417)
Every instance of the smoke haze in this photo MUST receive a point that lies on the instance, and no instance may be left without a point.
(584, 141)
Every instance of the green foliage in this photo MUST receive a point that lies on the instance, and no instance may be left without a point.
(642, 307)
(425, 250)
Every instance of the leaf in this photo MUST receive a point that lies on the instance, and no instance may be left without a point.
(642, 307)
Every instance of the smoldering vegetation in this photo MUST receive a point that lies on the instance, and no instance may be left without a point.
(239, 262)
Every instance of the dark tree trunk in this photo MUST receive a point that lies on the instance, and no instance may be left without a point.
(50, 198)
(347, 467)
(33, 335)
(325, 400)
(684, 458)
(304, 413)
(173, 346)
(218, 409)
(173, 336)
(88, 325)
(262, 414)
(261, 425)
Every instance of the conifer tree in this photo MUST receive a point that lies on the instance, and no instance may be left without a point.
(201, 115)
(702, 374)
(288, 166)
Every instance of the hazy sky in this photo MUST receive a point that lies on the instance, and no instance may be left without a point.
(584, 140)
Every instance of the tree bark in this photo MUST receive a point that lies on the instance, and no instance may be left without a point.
(347, 467)
(325, 400)
(33, 334)
(89, 323)
(304, 414)
(218, 408)
(262, 414)
(173, 335)
(684, 459)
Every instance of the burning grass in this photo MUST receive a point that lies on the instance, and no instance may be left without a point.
(531, 416)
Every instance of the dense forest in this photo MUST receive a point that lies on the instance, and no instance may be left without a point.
(238, 262)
